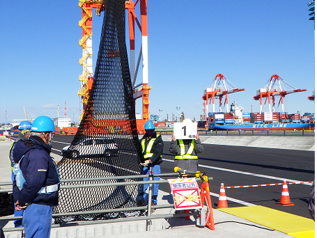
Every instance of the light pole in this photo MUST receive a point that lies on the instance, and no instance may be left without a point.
(160, 114)
(312, 17)
(177, 109)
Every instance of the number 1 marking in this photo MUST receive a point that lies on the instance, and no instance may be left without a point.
(184, 127)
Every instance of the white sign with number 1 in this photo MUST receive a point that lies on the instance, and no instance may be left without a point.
(185, 130)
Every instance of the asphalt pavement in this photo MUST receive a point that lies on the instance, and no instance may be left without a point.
(226, 225)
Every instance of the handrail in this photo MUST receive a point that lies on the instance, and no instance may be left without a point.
(102, 184)
(178, 172)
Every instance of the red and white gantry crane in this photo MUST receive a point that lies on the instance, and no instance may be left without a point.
(276, 87)
(220, 87)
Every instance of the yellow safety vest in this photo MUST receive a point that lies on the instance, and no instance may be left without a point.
(148, 149)
(188, 155)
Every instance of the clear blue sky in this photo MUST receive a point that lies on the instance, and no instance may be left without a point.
(189, 43)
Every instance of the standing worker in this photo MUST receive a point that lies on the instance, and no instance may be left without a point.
(24, 134)
(186, 151)
(37, 179)
(152, 149)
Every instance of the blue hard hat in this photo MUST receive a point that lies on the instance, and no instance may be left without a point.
(149, 125)
(43, 124)
(25, 125)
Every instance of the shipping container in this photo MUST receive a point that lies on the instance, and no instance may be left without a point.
(228, 115)
(229, 121)
(267, 116)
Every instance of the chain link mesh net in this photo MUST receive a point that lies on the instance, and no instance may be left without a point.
(106, 144)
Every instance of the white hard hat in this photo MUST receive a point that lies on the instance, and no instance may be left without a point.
(187, 120)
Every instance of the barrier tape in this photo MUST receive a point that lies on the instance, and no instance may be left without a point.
(266, 185)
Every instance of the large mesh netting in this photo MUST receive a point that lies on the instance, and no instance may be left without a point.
(106, 144)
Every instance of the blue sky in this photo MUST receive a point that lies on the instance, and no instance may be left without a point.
(189, 43)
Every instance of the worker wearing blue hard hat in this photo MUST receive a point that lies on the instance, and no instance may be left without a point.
(24, 134)
(152, 149)
(37, 179)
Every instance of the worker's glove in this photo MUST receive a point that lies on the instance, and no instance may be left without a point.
(146, 163)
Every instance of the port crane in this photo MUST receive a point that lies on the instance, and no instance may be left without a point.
(140, 90)
(312, 97)
(276, 86)
(220, 87)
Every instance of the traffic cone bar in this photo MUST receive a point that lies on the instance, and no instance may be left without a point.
(222, 202)
(285, 199)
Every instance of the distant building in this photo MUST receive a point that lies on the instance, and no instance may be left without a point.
(62, 122)
(154, 117)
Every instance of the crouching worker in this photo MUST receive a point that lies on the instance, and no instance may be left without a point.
(152, 149)
(37, 179)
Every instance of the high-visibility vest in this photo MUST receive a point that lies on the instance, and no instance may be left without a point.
(187, 155)
(147, 152)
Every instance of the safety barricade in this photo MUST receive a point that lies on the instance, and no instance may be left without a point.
(205, 214)
(284, 201)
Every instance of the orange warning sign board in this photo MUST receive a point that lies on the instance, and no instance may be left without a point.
(185, 193)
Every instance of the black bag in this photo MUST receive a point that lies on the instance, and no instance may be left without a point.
(6, 204)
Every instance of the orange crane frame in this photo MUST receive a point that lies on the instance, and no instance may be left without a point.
(221, 87)
(140, 90)
(86, 78)
(312, 97)
(275, 88)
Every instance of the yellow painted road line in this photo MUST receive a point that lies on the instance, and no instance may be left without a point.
(293, 225)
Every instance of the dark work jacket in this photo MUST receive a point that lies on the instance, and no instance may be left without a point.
(20, 137)
(157, 148)
(38, 170)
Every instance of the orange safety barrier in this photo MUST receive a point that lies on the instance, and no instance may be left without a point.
(208, 220)
(206, 200)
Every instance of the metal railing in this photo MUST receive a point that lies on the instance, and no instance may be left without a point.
(148, 216)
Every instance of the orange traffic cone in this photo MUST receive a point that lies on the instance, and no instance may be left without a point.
(285, 199)
(222, 202)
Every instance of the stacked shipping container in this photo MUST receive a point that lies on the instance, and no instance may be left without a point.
(246, 117)
(229, 118)
(256, 117)
(276, 117)
(284, 117)
(295, 118)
